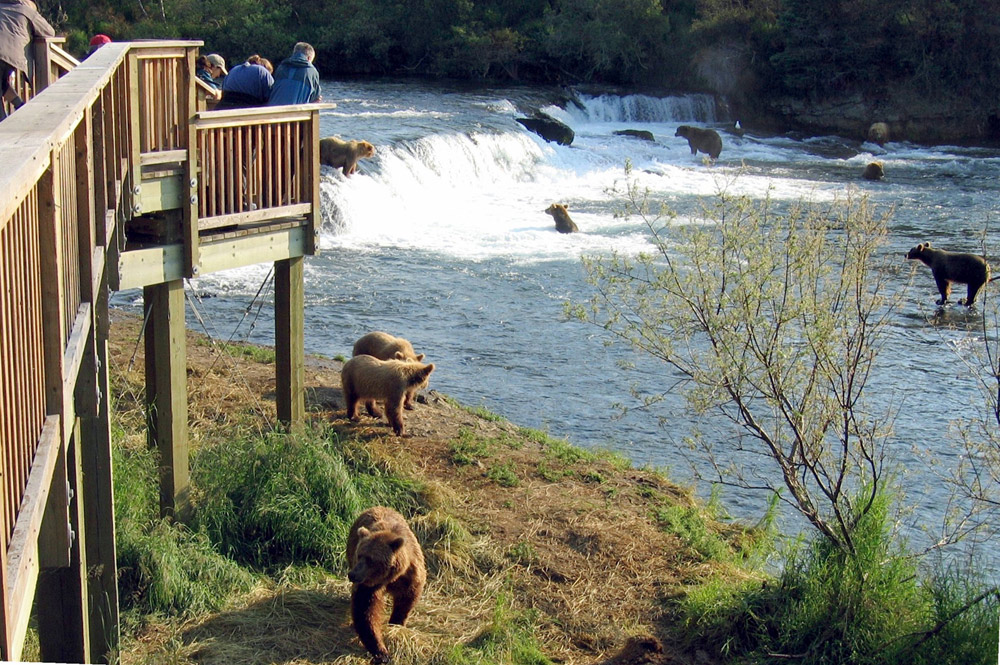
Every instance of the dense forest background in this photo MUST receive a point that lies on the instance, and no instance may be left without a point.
(943, 54)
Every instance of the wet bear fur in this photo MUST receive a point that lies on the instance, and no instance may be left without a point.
(953, 268)
(707, 141)
(340, 154)
(878, 133)
(370, 380)
(873, 171)
(384, 346)
(384, 557)
(560, 213)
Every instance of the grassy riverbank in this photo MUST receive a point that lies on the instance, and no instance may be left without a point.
(538, 552)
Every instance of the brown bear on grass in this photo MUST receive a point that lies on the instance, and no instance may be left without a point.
(384, 346)
(560, 214)
(953, 268)
(384, 556)
(707, 141)
(366, 378)
(341, 154)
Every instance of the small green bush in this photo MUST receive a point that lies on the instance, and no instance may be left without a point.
(835, 607)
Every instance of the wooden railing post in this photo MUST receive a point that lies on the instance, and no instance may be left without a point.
(42, 75)
(289, 345)
(166, 392)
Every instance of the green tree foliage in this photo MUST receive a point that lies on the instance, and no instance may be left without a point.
(802, 48)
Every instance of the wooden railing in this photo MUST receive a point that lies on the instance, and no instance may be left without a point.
(63, 180)
(98, 149)
(49, 62)
(256, 164)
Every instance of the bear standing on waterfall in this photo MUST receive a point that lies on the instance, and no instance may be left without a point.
(384, 557)
(368, 379)
(384, 346)
(341, 154)
(560, 213)
(707, 141)
(953, 268)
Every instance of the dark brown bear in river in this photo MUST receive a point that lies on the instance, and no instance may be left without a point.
(953, 268)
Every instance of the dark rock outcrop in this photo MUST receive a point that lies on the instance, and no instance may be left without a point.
(549, 128)
(637, 133)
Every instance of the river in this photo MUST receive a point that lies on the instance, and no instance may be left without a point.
(441, 238)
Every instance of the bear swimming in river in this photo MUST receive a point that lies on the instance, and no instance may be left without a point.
(560, 213)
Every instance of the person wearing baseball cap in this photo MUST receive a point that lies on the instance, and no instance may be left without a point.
(218, 67)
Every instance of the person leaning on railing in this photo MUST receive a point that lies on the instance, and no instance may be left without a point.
(20, 22)
(203, 69)
(296, 81)
(247, 85)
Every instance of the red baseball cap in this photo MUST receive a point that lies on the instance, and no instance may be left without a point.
(99, 40)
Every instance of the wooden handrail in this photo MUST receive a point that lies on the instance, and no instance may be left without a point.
(79, 162)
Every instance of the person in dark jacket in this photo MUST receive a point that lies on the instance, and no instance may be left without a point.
(20, 23)
(296, 81)
(204, 70)
(247, 85)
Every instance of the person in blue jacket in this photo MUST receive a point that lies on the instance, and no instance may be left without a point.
(247, 85)
(296, 80)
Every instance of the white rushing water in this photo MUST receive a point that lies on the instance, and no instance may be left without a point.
(442, 238)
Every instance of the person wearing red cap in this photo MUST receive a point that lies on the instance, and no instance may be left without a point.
(20, 22)
(97, 41)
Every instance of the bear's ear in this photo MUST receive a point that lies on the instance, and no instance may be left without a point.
(420, 357)
(428, 369)
(399, 355)
(396, 543)
(363, 532)
(927, 245)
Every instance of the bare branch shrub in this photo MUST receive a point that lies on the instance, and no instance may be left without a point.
(774, 321)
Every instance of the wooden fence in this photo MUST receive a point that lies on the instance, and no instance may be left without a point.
(96, 148)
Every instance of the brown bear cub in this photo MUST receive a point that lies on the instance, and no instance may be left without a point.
(953, 268)
(384, 346)
(384, 557)
(560, 214)
(366, 378)
(344, 155)
(707, 141)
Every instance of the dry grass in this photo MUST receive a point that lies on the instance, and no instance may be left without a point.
(583, 553)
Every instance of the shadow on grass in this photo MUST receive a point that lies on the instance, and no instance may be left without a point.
(291, 626)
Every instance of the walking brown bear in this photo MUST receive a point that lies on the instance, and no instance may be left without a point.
(953, 268)
(707, 141)
(384, 557)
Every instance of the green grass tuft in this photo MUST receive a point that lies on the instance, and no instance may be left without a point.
(509, 640)
(289, 499)
(164, 567)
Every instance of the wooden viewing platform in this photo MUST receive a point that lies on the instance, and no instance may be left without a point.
(116, 176)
